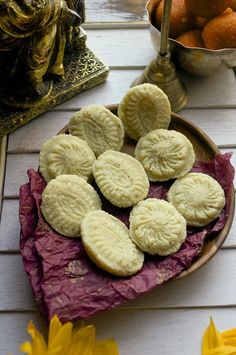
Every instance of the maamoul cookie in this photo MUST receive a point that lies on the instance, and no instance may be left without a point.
(65, 202)
(121, 178)
(144, 108)
(107, 242)
(99, 127)
(66, 154)
(165, 154)
(198, 197)
(156, 227)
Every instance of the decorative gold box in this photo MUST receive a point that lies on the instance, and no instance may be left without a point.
(82, 70)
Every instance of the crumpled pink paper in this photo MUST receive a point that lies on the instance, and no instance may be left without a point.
(64, 280)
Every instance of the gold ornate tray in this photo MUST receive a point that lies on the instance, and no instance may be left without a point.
(205, 150)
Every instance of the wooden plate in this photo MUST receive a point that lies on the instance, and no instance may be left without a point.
(205, 150)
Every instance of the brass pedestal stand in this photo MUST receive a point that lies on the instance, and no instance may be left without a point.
(161, 71)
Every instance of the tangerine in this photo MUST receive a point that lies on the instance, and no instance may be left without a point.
(191, 38)
(180, 19)
(206, 8)
(200, 22)
(232, 4)
(220, 32)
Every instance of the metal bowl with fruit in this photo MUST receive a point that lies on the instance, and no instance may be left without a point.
(198, 45)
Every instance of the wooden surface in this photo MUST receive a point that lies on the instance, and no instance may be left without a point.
(171, 319)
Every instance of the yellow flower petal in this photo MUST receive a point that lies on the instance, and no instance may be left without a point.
(222, 350)
(83, 341)
(212, 338)
(106, 347)
(229, 337)
(55, 326)
(38, 342)
(61, 340)
(26, 348)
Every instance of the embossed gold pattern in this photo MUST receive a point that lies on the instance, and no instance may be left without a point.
(82, 71)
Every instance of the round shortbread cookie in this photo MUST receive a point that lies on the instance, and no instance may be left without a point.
(165, 154)
(156, 227)
(198, 197)
(144, 108)
(107, 242)
(65, 202)
(99, 127)
(65, 154)
(121, 178)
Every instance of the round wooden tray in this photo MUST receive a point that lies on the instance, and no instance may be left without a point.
(205, 150)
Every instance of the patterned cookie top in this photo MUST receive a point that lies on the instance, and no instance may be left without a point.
(65, 202)
(165, 154)
(99, 127)
(198, 197)
(107, 242)
(156, 227)
(121, 178)
(66, 154)
(144, 108)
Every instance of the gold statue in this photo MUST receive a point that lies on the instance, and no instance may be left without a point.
(33, 38)
(44, 59)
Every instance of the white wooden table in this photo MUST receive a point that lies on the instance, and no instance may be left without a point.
(171, 319)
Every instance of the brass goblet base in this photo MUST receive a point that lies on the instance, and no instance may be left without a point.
(161, 72)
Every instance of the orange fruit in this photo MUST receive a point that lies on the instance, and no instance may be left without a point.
(206, 8)
(180, 19)
(200, 22)
(232, 4)
(191, 38)
(220, 32)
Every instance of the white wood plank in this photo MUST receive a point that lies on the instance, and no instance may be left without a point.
(13, 330)
(10, 226)
(15, 291)
(31, 136)
(16, 172)
(164, 332)
(109, 92)
(113, 11)
(161, 332)
(130, 47)
(219, 124)
(230, 241)
(210, 286)
(216, 90)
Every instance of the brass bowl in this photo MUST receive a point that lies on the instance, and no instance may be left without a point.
(195, 61)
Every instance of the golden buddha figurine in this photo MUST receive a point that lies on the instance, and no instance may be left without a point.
(33, 38)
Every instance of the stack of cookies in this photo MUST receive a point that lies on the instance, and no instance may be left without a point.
(70, 162)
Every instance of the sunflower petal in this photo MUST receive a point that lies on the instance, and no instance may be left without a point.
(108, 347)
(26, 348)
(229, 337)
(55, 326)
(61, 340)
(38, 342)
(212, 338)
(222, 350)
(83, 341)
